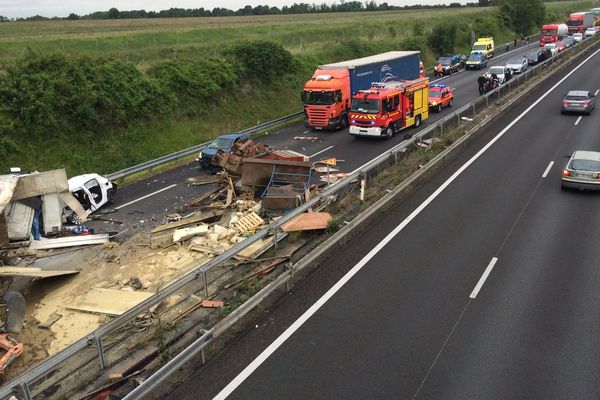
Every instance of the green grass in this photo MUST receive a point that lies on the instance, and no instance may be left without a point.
(312, 38)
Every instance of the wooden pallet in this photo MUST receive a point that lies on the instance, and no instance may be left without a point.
(249, 222)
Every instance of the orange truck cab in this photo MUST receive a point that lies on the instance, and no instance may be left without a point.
(389, 107)
(327, 95)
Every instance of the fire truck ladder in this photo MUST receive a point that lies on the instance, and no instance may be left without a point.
(286, 188)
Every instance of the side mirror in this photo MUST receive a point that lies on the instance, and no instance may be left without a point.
(303, 96)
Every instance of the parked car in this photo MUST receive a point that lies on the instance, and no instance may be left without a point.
(589, 32)
(552, 47)
(501, 71)
(582, 171)
(223, 142)
(440, 96)
(518, 65)
(450, 63)
(577, 37)
(92, 191)
(476, 61)
(578, 101)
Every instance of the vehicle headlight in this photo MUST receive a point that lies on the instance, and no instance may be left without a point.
(433, 103)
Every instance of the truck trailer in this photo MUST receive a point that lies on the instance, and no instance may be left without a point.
(389, 107)
(327, 95)
(553, 33)
(596, 12)
(580, 21)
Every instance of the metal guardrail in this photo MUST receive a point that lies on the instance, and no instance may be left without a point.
(37, 373)
(196, 149)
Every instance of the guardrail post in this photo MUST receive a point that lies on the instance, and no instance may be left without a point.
(100, 351)
(363, 185)
(275, 238)
(25, 391)
(205, 278)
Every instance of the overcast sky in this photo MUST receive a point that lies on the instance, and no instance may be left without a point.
(62, 8)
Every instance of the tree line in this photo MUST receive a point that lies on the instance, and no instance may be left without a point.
(296, 8)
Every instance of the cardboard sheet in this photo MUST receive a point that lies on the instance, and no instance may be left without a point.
(109, 301)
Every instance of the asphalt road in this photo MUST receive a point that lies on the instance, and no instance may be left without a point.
(490, 291)
(144, 204)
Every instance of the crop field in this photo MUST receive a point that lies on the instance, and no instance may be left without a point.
(312, 39)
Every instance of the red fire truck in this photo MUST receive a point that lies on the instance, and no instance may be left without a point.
(389, 107)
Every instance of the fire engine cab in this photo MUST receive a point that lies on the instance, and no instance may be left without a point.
(389, 107)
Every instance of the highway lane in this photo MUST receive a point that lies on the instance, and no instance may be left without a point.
(398, 329)
(149, 211)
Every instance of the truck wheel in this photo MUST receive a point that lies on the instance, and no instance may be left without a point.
(389, 133)
(110, 195)
(417, 121)
(344, 122)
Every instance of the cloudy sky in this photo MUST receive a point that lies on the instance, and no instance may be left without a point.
(58, 8)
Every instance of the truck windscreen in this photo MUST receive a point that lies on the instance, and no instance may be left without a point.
(574, 22)
(551, 32)
(365, 106)
(311, 97)
(479, 47)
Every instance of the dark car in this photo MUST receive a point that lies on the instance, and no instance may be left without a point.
(537, 56)
(476, 61)
(578, 101)
(223, 142)
(450, 63)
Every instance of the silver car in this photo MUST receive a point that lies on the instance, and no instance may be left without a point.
(578, 101)
(517, 65)
(582, 171)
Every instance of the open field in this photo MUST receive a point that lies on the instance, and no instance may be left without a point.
(312, 38)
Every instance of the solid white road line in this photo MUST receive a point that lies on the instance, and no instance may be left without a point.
(486, 273)
(145, 197)
(319, 152)
(242, 376)
(577, 121)
(305, 132)
(597, 91)
(545, 174)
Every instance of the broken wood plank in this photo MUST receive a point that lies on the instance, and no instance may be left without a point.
(212, 303)
(50, 321)
(68, 241)
(33, 272)
(308, 222)
(206, 195)
(108, 301)
(199, 217)
(204, 180)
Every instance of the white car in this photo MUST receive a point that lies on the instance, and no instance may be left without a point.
(589, 32)
(577, 37)
(92, 191)
(552, 47)
(517, 65)
(500, 71)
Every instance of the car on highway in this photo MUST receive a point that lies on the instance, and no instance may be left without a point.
(450, 63)
(476, 61)
(577, 37)
(589, 32)
(582, 171)
(578, 101)
(223, 142)
(501, 71)
(537, 56)
(440, 96)
(553, 47)
(518, 65)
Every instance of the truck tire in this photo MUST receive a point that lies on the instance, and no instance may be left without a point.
(417, 121)
(343, 122)
(389, 133)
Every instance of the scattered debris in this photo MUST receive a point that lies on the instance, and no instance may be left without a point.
(249, 223)
(308, 221)
(32, 272)
(108, 301)
(135, 283)
(306, 138)
(12, 348)
(204, 180)
(50, 321)
(69, 241)
(212, 303)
